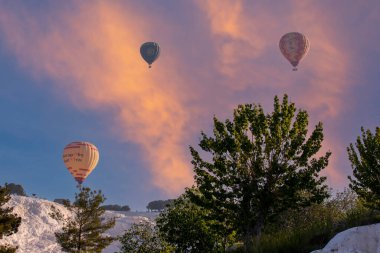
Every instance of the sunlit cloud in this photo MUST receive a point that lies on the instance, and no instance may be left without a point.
(94, 60)
(91, 55)
(247, 36)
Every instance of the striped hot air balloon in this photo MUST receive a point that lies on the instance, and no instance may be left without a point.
(80, 159)
(294, 46)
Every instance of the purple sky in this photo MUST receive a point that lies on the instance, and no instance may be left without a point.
(72, 71)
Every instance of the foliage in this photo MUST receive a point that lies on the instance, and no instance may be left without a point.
(62, 201)
(262, 164)
(188, 228)
(84, 231)
(143, 238)
(56, 214)
(365, 161)
(16, 189)
(310, 228)
(116, 208)
(7, 249)
(302, 230)
(9, 223)
(159, 205)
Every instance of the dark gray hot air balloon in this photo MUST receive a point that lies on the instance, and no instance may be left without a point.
(150, 52)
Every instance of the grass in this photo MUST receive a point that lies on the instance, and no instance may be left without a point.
(312, 228)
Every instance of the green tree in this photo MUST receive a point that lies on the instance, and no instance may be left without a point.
(9, 223)
(16, 189)
(159, 205)
(84, 231)
(365, 163)
(188, 228)
(116, 208)
(143, 238)
(261, 165)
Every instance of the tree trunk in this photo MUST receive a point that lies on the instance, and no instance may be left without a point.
(224, 243)
(79, 239)
(252, 232)
(248, 242)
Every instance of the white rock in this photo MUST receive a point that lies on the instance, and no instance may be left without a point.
(36, 232)
(364, 239)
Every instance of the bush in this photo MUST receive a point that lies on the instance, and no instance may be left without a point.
(15, 189)
(9, 222)
(62, 201)
(188, 228)
(311, 228)
(116, 208)
(143, 238)
(159, 205)
(7, 249)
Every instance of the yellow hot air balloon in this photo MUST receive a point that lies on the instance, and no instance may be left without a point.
(294, 46)
(80, 159)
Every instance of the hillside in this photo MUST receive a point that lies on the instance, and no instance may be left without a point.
(36, 233)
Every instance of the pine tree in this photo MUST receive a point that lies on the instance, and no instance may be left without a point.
(9, 223)
(84, 231)
(365, 163)
(260, 165)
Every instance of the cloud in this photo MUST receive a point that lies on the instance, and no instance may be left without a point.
(247, 35)
(91, 54)
(227, 54)
(247, 38)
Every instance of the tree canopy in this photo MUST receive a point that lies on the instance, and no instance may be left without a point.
(259, 165)
(159, 205)
(16, 189)
(365, 162)
(116, 208)
(188, 228)
(143, 237)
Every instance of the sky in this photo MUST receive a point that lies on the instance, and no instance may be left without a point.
(72, 70)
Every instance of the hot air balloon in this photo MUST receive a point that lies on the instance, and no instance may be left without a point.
(150, 52)
(294, 47)
(80, 159)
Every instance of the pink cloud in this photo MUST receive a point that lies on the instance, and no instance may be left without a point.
(92, 56)
(247, 36)
(94, 60)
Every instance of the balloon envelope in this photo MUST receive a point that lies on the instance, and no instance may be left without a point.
(80, 159)
(150, 51)
(294, 47)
